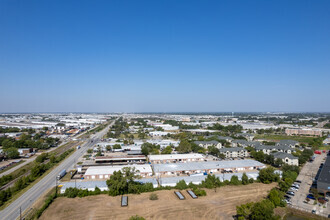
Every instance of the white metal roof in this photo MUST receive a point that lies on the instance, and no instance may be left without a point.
(173, 167)
(108, 170)
(175, 156)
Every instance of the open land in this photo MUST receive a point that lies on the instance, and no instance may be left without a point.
(216, 205)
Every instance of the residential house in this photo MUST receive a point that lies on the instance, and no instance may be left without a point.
(286, 158)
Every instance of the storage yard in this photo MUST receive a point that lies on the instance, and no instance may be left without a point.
(168, 206)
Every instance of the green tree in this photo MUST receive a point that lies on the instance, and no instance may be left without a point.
(245, 179)
(244, 211)
(234, 180)
(120, 181)
(267, 175)
(274, 197)
(116, 146)
(181, 185)
(12, 153)
(167, 150)
(184, 147)
(263, 210)
(211, 181)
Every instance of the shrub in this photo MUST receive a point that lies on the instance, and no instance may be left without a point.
(136, 218)
(153, 196)
(199, 192)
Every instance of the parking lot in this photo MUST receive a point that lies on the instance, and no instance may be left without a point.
(306, 176)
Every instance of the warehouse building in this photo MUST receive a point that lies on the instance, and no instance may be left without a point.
(206, 167)
(174, 158)
(121, 159)
(197, 179)
(89, 185)
(104, 172)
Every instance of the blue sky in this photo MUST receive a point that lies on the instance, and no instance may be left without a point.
(133, 56)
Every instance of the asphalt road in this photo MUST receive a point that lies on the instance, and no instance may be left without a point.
(25, 201)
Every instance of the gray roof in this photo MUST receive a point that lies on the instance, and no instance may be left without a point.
(240, 141)
(232, 149)
(288, 142)
(206, 142)
(283, 155)
(84, 185)
(324, 176)
(173, 167)
(273, 147)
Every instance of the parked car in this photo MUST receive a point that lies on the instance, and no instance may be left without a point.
(298, 181)
(293, 189)
(310, 196)
(290, 193)
(313, 211)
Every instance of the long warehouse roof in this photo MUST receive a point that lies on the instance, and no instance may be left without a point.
(108, 170)
(173, 167)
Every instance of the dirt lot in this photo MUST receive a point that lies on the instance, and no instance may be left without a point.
(216, 205)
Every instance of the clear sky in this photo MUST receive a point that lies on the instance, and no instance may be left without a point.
(164, 55)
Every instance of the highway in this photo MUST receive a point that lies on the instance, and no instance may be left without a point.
(25, 201)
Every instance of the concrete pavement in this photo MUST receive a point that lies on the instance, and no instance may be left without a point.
(25, 201)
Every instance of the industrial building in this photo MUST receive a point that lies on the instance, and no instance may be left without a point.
(173, 158)
(121, 159)
(206, 167)
(104, 172)
(89, 185)
(197, 179)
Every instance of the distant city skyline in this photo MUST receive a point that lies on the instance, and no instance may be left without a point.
(164, 56)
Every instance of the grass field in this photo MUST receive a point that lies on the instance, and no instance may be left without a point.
(216, 205)
(275, 138)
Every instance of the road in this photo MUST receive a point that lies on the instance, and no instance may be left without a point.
(25, 201)
(29, 160)
(306, 176)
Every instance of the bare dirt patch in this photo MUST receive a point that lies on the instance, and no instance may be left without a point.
(216, 205)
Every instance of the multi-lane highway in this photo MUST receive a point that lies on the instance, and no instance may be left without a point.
(25, 201)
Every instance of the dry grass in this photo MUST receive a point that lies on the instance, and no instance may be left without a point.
(216, 205)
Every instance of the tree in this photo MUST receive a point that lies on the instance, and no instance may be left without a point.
(116, 146)
(12, 153)
(274, 197)
(89, 151)
(244, 211)
(181, 185)
(263, 210)
(167, 150)
(119, 181)
(278, 162)
(211, 181)
(267, 175)
(245, 179)
(108, 148)
(184, 147)
(234, 180)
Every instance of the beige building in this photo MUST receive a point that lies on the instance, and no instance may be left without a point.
(303, 131)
